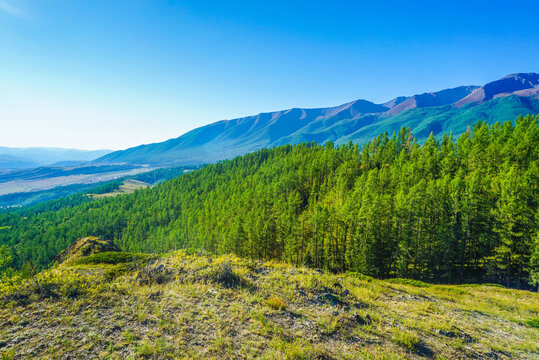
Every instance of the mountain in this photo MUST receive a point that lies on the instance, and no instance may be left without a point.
(513, 84)
(440, 98)
(38, 156)
(16, 162)
(357, 121)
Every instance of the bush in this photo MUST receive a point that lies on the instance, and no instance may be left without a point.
(494, 285)
(51, 284)
(408, 282)
(225, 276)
(113, 257)
(360, 276)
(533, 322)
(154, 275)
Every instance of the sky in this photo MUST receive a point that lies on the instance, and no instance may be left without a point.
(114, 74)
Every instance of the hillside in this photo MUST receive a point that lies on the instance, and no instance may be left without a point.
(358, 121)
(126, 186)
(453, 211)
(116, 305)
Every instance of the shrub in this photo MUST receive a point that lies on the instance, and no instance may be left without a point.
(408, 282)
(158, 274)
(225, 276)
(360, 276)
(494, 285)
(113, 257)
(50, 284)
(276, 303)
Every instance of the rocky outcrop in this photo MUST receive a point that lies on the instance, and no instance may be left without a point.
(84, 247)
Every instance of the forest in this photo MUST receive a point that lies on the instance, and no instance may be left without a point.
(448, 210)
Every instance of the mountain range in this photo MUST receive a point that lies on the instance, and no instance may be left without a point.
(357, 121)
(25, 158)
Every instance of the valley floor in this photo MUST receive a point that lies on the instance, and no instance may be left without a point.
(204, 307)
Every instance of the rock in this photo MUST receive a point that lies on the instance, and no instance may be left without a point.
(83, 247)
(450, 334)
(360, 305)
(114, 329)
(329, 298)
(362, 320)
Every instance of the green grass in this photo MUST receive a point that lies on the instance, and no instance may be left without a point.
(408, 282)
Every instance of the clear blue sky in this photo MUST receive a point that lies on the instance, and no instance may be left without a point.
(114, 74)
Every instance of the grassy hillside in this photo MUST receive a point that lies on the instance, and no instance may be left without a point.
(126, 186)
(129, 306)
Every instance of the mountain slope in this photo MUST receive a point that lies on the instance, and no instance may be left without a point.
(440, 98)
(357, 121)
(513, 84)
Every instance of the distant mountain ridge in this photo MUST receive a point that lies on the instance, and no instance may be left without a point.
(513, 84)
(24, 158)
(16, 162)
(358, 121)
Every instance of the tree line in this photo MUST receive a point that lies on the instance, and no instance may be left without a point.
(447, 210)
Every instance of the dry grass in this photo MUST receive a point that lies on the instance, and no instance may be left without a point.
(231, 308)
(276, 303)
(128, 186)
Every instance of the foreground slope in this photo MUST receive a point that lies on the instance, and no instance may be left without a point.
(357, 121)
(127, 306)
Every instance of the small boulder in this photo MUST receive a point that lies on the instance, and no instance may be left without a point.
(328, 298)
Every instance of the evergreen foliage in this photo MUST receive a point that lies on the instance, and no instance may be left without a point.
(442, 211)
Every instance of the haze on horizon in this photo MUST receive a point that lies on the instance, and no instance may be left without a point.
(93, 75)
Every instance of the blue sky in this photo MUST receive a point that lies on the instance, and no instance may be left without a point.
(113, 74)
